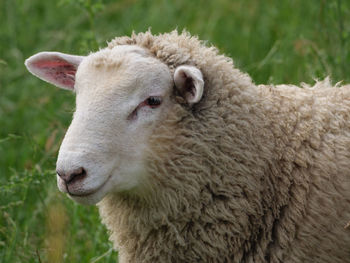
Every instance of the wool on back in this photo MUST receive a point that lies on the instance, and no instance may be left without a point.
(249, 174)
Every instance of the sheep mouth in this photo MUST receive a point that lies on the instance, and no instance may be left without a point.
(92, 192)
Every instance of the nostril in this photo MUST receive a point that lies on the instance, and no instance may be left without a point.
(76, 175)
(60, 174)
(72, 176)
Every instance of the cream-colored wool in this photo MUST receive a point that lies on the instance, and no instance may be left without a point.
(248, 174)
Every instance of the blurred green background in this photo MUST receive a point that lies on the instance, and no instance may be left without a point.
(275, 41)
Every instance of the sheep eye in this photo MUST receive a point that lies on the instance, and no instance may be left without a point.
(153, 102)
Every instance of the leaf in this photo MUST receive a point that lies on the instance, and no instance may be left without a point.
(50, 141)
(3, 62)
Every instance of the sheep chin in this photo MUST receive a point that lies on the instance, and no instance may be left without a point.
(89, 199)
(92, 198)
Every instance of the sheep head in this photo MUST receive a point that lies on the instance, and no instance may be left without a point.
(122, 95)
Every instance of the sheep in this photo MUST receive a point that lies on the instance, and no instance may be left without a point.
(189, 161)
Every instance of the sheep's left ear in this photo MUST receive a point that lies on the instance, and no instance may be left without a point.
(189, 81)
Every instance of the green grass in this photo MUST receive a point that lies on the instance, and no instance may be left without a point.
(274, 41)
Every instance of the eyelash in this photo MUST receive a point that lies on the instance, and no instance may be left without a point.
(153, 102)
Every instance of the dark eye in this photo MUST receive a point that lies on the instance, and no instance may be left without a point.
(153, 102)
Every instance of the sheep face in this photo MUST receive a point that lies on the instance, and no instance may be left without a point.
(122, 95)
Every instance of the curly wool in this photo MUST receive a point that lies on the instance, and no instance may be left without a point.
(249, 174)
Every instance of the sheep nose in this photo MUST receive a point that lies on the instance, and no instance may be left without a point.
(72, 176)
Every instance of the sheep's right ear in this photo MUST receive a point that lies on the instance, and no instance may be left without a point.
(189, 82)
(56, 68)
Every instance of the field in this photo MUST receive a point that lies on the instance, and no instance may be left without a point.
(274, 41)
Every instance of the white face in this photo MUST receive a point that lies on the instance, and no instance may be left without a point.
(113, 119)
(122, 95)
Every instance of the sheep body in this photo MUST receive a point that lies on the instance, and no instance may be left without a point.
(249, 174)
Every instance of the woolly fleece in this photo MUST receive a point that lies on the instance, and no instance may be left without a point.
(251, 173)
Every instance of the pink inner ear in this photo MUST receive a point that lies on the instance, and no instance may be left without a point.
(58, 71)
